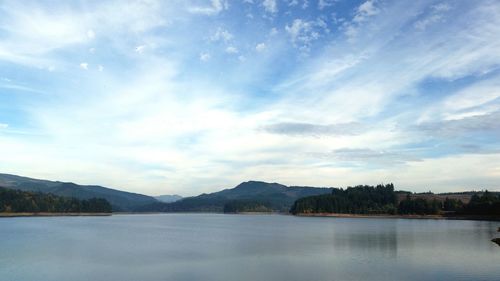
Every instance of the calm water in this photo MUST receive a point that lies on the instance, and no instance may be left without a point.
(245, 247)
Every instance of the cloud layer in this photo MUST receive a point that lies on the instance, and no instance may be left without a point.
(193, 96)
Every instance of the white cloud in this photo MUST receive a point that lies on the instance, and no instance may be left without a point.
(270, 6)
(216, 6)
(435, 16)
(90, 34)
(167, 127)
(302, 33)
(365, 10)
(205, 57)
(35, 31)
(441, 7)
(260, 47)
(422, 24)
(140, 49)
(3, 126)
(325, 3)
(221, 35)
(84, 65)
(305, 4)
(231, 50)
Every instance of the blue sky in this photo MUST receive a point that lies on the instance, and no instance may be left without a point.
(162, 97)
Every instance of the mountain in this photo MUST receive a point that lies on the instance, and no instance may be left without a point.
(119, 200)
(168, 198)
(269, 196)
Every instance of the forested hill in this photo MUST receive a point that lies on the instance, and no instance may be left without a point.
(382, 199)
(120, 200)
(247, 196)
(17, 201)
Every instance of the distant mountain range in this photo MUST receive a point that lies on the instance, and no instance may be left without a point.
(168, 198)
(246, 197)
(271, 196)
(119, 200)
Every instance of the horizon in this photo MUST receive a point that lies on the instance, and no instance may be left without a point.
(189, 97)
(217, 189)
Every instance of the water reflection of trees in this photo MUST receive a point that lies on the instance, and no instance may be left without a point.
(382, 241)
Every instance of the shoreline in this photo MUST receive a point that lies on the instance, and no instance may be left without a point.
(319, 215)
(46, 214)
(387, 216)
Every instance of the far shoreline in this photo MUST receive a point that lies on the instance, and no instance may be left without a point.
(388, 216)
(48, 214)
(318, 215)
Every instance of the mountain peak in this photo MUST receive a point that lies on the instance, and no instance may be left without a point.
(257, 184)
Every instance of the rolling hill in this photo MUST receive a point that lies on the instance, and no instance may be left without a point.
(119, 200)
(273, 196)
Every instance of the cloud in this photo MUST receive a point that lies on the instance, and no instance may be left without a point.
(365, 10)
(325, 3)
(362, 13)
(205, 57)
(35, 33)
(140, 49)
(216, 6)
(302, 33)
(90, 34)
(221, 35)
(84, 65)
(487, 123)
(315, 130)
(392, 96)
(435, 15)
(260, 47)
(4, 126)
(479, 98)
(367, 156)
(231, 50)
(270, 6)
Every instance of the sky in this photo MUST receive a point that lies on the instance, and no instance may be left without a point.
(186, 97)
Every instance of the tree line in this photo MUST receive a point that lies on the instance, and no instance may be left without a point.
(241, 206)
(382, 199)
(363, 199)
(17, 201)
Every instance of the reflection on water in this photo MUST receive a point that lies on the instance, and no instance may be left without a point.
(245, 247)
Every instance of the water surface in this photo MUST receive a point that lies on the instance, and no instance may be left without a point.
(245, 247)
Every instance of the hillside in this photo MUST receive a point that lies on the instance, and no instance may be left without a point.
(119, 200)
(17, 201)
(382, 199)
(272, 196)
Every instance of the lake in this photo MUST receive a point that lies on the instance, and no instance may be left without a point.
(245, 247)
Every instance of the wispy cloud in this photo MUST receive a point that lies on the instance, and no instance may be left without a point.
(270, 6)
(315, 130)
(188, 97)
(215, 7)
